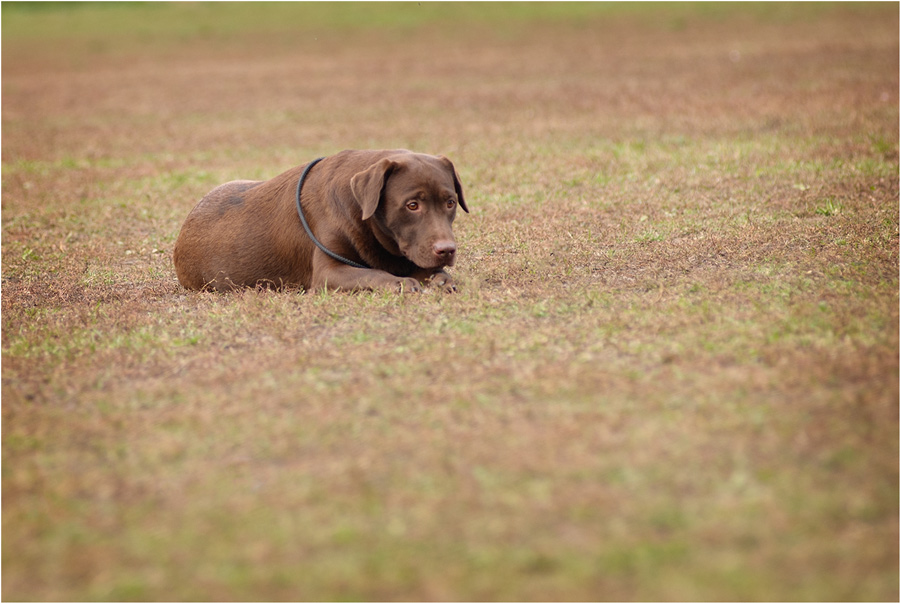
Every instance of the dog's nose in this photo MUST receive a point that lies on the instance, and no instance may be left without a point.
(444, 249)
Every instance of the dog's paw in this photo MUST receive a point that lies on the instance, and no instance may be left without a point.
(442, 281)
(408, 285)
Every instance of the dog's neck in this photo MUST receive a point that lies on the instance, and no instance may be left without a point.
(383, 235)
(381, 250)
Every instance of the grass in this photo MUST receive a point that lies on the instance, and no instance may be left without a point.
(670, 372)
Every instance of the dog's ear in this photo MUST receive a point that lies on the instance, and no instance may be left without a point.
(368, 185)
(456, 183)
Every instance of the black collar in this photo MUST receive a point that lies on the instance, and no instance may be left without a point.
(306, 227)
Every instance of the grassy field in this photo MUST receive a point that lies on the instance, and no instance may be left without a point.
(671, 370)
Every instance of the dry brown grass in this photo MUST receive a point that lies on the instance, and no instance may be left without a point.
(671, 371)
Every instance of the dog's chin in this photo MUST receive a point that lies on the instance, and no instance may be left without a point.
(433, 266)
(427, 261)
(437, 266)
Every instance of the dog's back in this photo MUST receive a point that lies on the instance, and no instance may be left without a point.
(227, 239)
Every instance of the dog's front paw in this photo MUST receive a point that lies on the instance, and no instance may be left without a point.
(408, 285)
(442, 281)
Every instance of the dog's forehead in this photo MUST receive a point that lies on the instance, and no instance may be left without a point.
(423, 172)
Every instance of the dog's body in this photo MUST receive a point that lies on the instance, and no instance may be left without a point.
(391, 210)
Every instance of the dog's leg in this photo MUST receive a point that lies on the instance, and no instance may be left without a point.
(334, 275)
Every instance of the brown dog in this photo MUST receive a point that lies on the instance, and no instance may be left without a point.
(389, 213)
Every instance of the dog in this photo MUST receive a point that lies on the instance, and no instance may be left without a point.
(376, 220)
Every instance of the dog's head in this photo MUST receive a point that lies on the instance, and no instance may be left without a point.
(412, 199)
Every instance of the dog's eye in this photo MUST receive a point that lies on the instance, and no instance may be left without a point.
(412, 205)
(450, 203)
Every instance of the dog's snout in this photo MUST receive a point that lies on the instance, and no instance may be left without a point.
(444, 249)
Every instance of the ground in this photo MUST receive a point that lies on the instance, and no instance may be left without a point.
(671, 370)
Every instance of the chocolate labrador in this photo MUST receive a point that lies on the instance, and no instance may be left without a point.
(355, 220)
